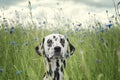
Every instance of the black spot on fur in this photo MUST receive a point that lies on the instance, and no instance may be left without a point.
(44, 75)
(50, 70)
(62, 69)
(56, 72)
(43, 52)
(56, 75)
(64, 62)
(62, 41)
(48, 59)
(54, 37)
(57, 63)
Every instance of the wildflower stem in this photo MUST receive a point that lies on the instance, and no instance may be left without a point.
(31, 16)
(116, 10)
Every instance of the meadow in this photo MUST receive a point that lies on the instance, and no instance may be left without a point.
(97, 55)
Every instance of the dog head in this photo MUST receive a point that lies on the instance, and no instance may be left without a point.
(55, 46)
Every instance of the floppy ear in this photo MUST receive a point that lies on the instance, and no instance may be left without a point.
(39, 49)
(71, 48)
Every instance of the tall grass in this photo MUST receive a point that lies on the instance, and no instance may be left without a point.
(95, 57)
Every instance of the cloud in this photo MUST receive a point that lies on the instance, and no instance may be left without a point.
(93, 3)
(97, 3)
(76, 10)
(7, 3)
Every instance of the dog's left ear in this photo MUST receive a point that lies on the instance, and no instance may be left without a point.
(71, 48)
(40, 48)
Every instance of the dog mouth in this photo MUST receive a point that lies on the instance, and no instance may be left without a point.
(56, 56)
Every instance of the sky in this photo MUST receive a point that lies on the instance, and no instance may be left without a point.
(77, 10)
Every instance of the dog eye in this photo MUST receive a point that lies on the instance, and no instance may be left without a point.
(62, 41)
(49, 42)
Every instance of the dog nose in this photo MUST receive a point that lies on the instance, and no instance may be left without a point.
(57, 49)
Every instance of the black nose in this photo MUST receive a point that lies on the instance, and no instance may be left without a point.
(57, 49)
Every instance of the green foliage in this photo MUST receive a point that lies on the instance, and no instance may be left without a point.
(95, 57)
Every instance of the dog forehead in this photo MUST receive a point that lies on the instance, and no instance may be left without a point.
(54, 36)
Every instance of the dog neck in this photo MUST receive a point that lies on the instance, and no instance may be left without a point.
(55, 69)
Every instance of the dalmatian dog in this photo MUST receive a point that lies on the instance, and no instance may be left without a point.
(55, 48)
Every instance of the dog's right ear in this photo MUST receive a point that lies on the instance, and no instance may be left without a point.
(39, 49)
